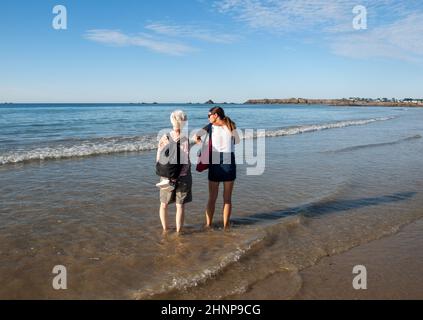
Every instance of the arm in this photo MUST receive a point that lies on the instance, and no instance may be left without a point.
(162, 143)
(200, 133)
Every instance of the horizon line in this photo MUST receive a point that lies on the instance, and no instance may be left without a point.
(200, 103)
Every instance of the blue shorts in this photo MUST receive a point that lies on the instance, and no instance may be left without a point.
(225, 171)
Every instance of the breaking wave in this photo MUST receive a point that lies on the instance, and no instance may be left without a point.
(374, 145)
(81, 149)
(148, 142)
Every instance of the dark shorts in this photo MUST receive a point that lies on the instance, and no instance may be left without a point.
(182, 193)
(225, 171)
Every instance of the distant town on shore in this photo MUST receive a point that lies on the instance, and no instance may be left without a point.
(353, 101)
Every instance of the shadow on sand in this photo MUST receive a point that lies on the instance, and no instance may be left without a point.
(322, 208)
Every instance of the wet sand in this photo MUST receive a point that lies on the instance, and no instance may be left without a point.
(394, 271)
(345, 183)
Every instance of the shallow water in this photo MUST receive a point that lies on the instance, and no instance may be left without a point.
(348, 176)
(394, 267)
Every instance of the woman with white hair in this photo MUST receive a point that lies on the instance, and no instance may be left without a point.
(180, 190)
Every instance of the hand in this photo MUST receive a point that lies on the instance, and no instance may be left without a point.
(163, 142)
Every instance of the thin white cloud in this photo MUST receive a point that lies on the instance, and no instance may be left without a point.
(117, 38)
(289, 15)
(284, 15)
(400, 40)
(395, 28)
(193, 32)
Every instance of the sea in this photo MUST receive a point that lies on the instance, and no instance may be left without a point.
(77, 189)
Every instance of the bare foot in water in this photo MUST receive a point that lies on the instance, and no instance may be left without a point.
(208, 227)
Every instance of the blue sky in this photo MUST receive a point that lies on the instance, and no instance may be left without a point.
(195, 50)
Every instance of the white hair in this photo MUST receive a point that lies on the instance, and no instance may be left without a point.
(178, 119)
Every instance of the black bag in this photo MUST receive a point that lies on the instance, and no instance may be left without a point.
(169, 164)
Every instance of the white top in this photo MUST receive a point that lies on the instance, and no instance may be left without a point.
(222, 139)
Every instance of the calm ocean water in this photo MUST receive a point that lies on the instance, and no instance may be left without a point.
(77, 189)
(39, 132)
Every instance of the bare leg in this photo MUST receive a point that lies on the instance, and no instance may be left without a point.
(180, 214)
(211, 204)
(227, 203)
(164, 215)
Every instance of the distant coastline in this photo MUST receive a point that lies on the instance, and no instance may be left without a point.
(351, 102)
(343, 102)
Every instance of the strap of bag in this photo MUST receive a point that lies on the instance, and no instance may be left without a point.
(178, 148)
(210, 143)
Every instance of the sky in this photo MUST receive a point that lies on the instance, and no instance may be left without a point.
(196, 50)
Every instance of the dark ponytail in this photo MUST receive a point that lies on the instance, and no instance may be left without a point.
(230, 124)
(221, 113)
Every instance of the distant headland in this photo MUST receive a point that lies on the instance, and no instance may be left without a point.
(351, 102)
(356, 102)
(212, 102)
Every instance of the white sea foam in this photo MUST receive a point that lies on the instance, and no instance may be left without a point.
(148, 142)
(202, 275)
(319, 127)
(81, 149)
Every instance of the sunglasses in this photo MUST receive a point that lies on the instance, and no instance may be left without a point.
(211, 114)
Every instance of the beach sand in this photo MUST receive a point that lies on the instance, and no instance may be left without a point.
(394, 271)
(333, 180)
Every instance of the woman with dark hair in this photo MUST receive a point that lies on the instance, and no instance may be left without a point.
(222, 168)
